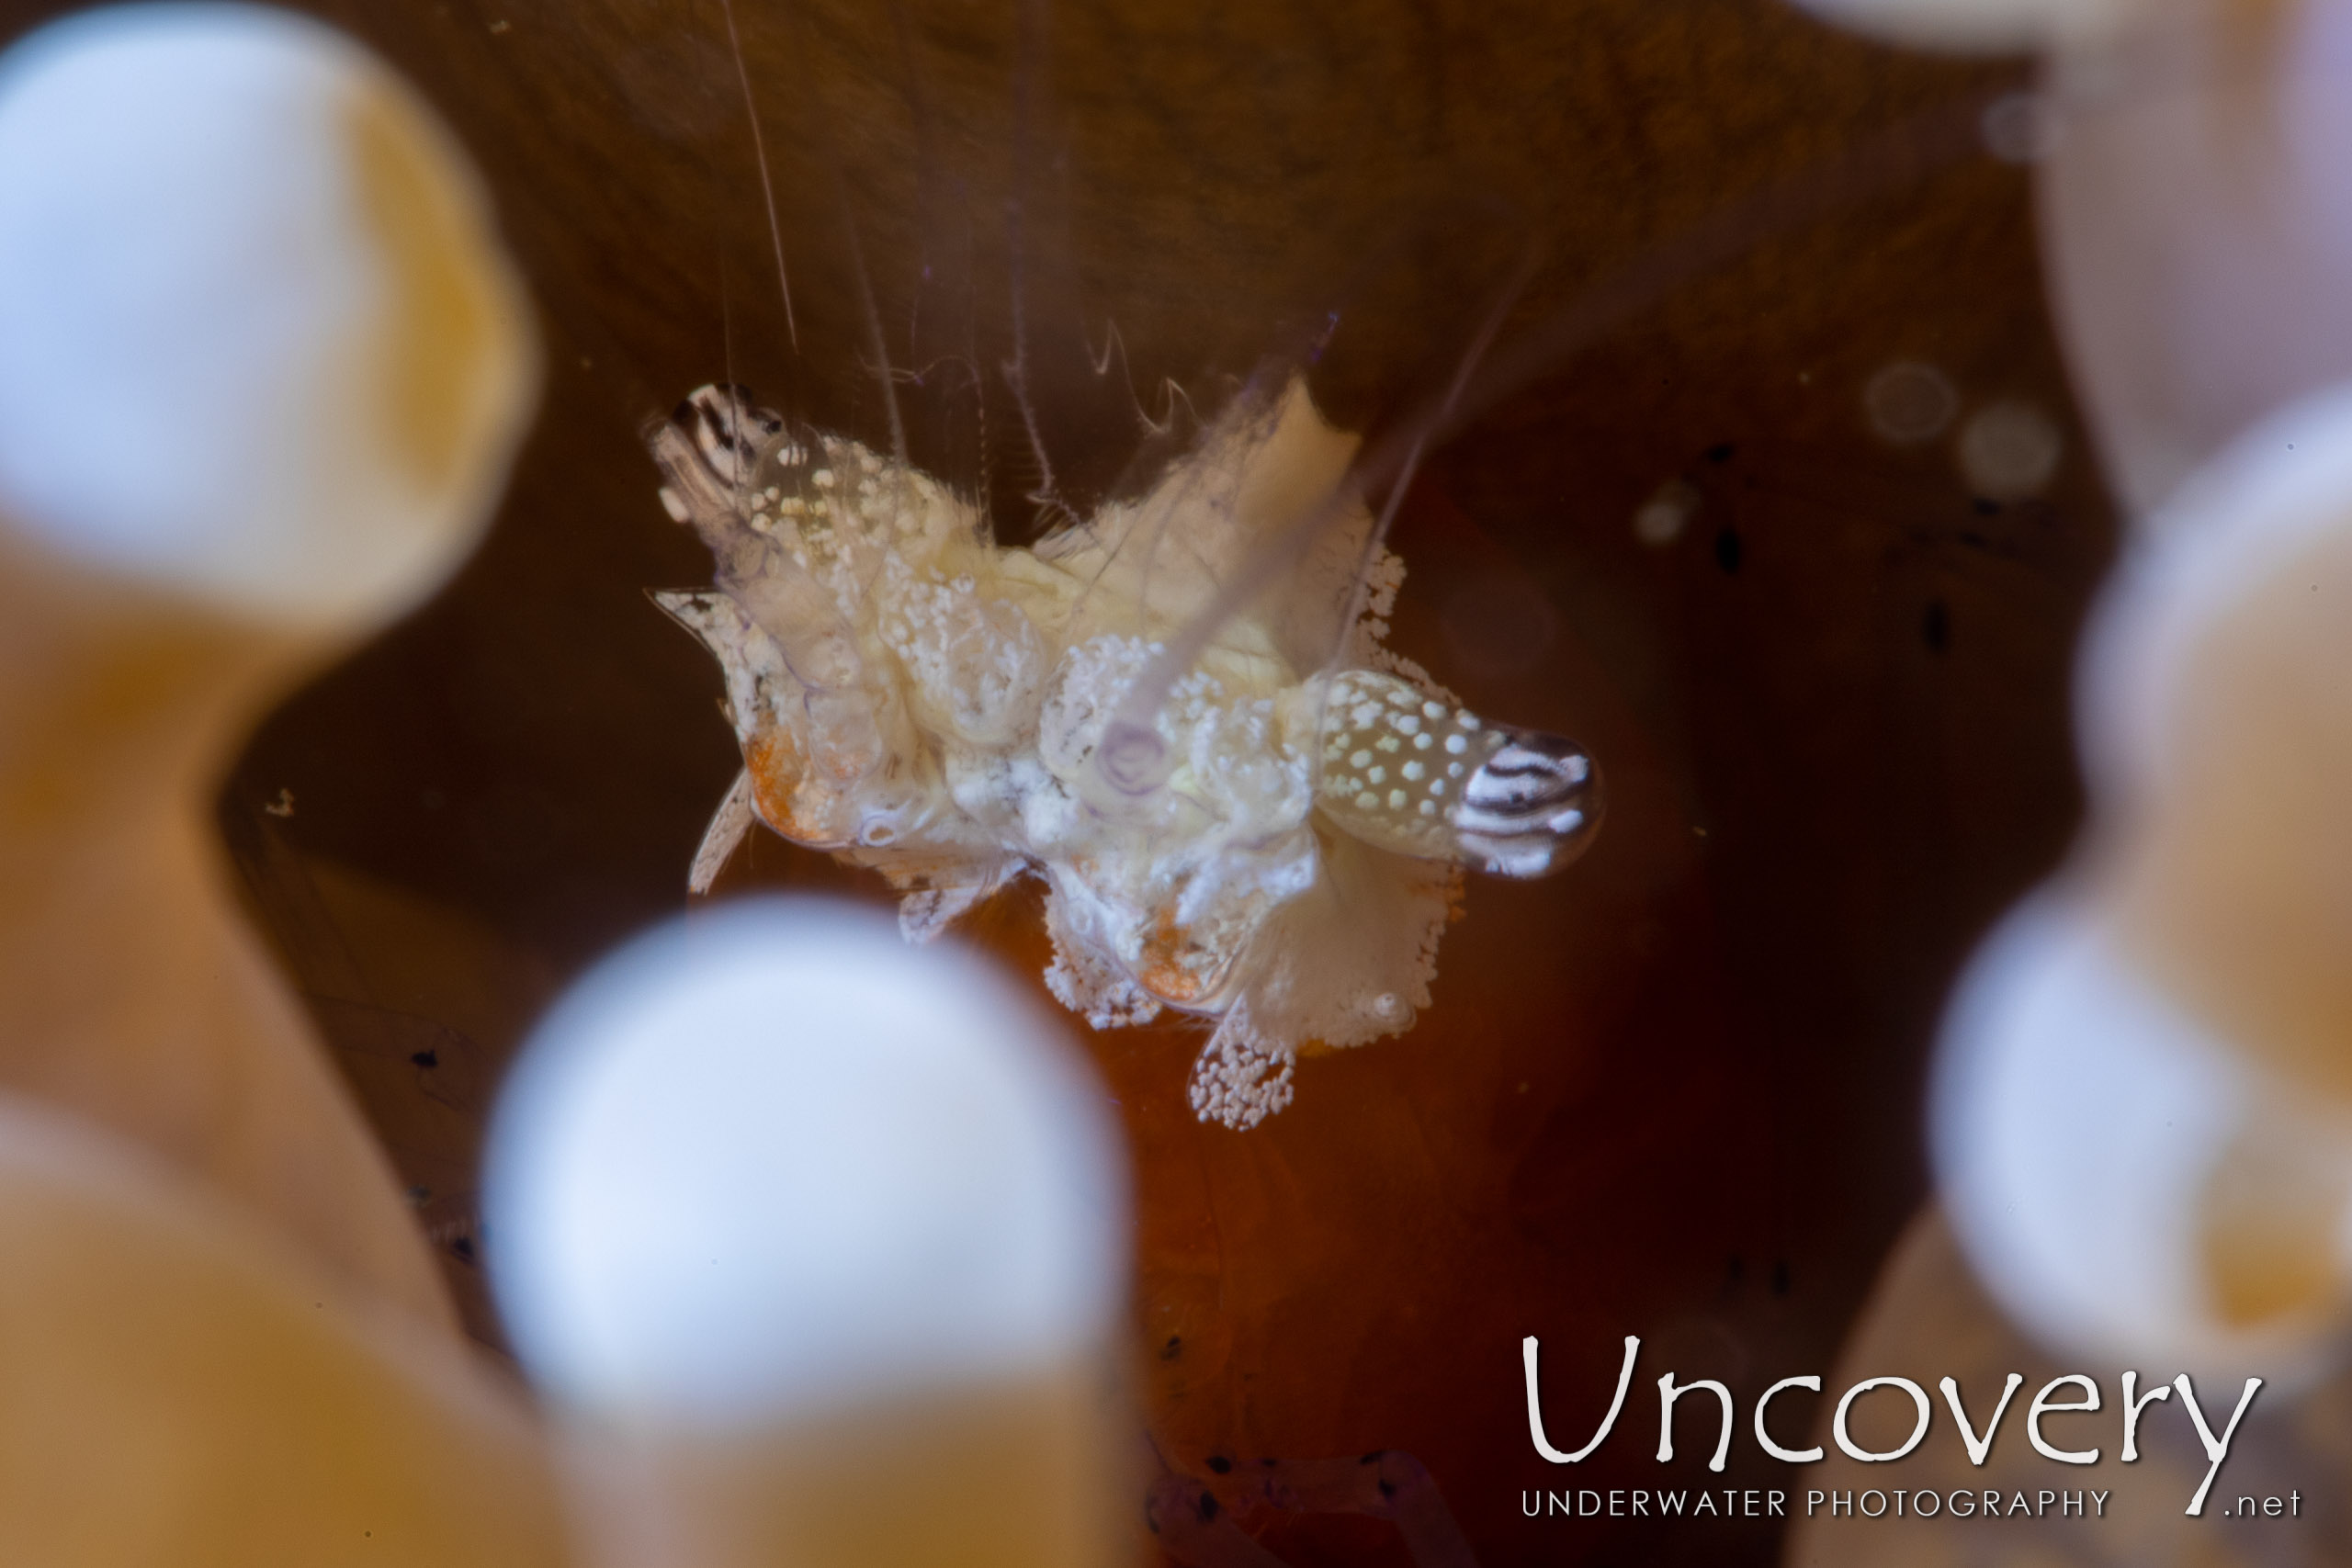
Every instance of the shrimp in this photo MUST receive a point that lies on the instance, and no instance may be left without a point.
(919, 700)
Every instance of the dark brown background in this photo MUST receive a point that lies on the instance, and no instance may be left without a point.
(1673, 1093)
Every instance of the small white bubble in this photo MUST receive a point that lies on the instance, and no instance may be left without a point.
(1395, 800)
(1909, 402)
(1659, 521)
(2009, 450)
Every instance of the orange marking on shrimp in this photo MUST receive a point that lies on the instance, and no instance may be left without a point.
(1167, 964)
(787, 788)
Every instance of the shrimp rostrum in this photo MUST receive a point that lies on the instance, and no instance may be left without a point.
(1242, 805)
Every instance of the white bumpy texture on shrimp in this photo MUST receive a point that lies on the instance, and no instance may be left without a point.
(919, 700)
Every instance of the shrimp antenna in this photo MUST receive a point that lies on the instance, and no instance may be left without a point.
(880, 343)
(878, 340)
(1484, 339)
(767, 185)
(1133, 758)
(1016, 369)
(937, 227)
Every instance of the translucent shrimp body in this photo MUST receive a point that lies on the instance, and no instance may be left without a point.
(916, 699)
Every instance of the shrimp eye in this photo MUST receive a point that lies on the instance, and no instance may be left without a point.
(1530, 806)
(709, 449)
